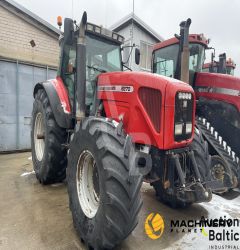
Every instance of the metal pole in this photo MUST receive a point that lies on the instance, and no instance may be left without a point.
(132, 37)
(72, 11)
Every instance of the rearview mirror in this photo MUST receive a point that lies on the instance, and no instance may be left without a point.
(137, 56)
(68, 31)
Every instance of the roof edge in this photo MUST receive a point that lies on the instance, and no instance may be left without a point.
(15, 8)
(125, 20)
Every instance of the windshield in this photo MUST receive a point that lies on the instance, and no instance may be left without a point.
(230, 70)
(165, 59)
(103, 55)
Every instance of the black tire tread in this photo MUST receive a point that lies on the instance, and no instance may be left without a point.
(55, 156)
(124, 199)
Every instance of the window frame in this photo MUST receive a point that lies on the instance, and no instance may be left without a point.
(148, 44)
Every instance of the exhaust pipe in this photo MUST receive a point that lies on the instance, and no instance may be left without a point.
(222, 64)
(81, 69)
(184, 49)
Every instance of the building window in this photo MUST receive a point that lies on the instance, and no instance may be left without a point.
(146, 55)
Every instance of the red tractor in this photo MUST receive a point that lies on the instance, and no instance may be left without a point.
(223, 66)
(110, 130)
(218, 100)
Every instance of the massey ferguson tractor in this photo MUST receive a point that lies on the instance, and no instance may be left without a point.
(106, 131)
(222, 66)
(218, 101)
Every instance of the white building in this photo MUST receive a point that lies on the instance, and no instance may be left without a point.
(135, 31)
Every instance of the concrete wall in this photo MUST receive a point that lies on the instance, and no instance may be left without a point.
(16, 34)
(138, 35)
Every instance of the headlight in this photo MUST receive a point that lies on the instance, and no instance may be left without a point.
(183, 118)
(184, 96)
(178, 129)
(188, 128)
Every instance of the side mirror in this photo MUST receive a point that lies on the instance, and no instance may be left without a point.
(68, 31)
(137, 56)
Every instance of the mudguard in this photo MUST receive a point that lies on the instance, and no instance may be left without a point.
(59, 101)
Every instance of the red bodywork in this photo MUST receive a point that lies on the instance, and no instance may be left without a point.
(128, 106)
(208, 65)
(120, 103)
(218, 87)
(193, 38)
(229, 63)
(62, 94)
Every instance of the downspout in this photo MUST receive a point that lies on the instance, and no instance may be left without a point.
(17, 105)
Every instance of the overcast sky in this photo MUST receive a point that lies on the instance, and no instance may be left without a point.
(217, 19)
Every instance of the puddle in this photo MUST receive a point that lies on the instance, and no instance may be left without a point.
(27, 173)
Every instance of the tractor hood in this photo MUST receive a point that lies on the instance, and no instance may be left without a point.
(146, 104)
(220, 87)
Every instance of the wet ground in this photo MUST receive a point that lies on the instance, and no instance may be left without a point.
(33, 216)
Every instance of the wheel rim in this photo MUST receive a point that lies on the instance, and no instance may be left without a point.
(88, 184)
(218, 171)
(39, 140)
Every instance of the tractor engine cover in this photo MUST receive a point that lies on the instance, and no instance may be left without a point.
(146, 105)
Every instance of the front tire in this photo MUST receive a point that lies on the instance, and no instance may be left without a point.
(48, 155)
(104, 198)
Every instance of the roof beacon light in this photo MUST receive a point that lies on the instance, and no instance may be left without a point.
(59, 21)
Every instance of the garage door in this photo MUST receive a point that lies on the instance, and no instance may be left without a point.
(17, 81)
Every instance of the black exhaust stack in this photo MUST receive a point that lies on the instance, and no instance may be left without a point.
(184, 49)
(81, 69)
(211, 68)
(222, 68)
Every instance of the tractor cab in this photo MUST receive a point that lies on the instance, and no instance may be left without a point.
(103, 54)
(166, 56)
(101, 49)
(213, 67)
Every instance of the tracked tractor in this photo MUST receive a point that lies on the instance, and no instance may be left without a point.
(106, 131)
(218, 101)
(222, 66)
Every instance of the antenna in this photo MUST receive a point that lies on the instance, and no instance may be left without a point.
(72, 10)
(132, 29)
(132, 20)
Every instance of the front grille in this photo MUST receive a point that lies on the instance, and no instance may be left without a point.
(183, 115)
(151, 101)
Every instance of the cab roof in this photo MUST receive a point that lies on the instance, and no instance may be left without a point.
(193, 38)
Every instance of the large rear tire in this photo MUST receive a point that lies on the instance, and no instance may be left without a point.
(48, 155)
(104, 197)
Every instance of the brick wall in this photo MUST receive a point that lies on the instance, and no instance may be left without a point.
(15, 35)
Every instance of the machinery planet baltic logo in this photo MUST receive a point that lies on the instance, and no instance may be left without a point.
(218, 230)
(154, 226)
